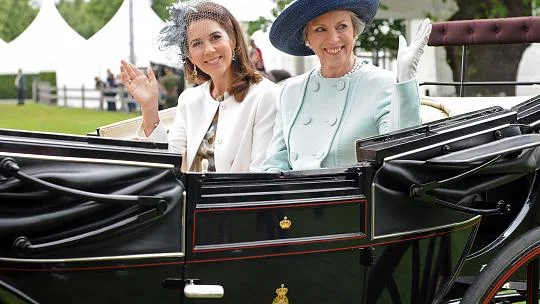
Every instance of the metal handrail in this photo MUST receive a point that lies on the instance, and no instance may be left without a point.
(480, 83)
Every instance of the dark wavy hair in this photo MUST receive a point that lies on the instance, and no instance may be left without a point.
(244, 73)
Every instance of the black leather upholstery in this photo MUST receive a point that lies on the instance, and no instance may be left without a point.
(43, 216)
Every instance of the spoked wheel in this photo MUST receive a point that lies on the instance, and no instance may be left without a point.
(512, 277)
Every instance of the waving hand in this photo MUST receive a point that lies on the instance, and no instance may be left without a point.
(409, 55)
(144, 88)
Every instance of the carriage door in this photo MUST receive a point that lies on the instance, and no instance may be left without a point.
(275, 238)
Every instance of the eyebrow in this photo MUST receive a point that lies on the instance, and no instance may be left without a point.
(209, 35)
(195, 40)
(323, 24)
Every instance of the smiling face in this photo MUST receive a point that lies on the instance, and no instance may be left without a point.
(210, 48)
(331, 37)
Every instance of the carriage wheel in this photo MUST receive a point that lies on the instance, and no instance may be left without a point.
(520, 257)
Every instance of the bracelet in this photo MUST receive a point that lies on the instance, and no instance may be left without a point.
(154, 126)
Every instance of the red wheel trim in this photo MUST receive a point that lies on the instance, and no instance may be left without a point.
(503, 279)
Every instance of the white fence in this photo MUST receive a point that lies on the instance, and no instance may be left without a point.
(111, 99)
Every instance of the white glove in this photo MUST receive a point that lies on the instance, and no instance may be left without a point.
(409, 55)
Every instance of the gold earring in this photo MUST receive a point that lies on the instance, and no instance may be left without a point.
(194, 70)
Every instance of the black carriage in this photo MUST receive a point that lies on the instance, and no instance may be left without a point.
(425, 213)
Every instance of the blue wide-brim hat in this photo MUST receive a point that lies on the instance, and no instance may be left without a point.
(287, 32)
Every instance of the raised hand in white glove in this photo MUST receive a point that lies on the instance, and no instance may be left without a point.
(409, 55)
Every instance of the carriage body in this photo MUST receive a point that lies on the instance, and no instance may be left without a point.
(119, 216)
(314, 233)
(98, 220)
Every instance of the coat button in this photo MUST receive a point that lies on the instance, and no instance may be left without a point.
(307, 121)
(331, 121)
(222, 106)
(340, 85)
(294, 155)
(315, 86)
(219, 141)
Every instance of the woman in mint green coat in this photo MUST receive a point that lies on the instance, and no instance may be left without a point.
(322, 112)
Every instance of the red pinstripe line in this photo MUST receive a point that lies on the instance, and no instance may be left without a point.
(280, 206)
(245, 258)
(283, 244)
(501, 281)
(263, 207)
(330, 250)
(366, 218)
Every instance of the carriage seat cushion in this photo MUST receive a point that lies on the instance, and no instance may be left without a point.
(127, 129)
(512, 30)
(432, 108)
(435, 108)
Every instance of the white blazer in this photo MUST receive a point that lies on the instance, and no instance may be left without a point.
(243, 133)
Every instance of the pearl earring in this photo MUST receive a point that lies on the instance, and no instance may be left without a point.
(194, 70)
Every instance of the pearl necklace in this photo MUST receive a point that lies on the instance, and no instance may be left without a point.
(356, 66)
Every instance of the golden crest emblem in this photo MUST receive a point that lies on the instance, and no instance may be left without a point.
(281, 295)
(285, 223)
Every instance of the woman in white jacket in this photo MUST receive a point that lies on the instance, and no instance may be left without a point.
(227, 119)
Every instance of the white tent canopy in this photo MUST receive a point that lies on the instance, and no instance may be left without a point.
(417, 9)
(249, 10)
(112, 43)
(47, 44)
(50, 44)
(275, 59)
(527, 70)
(3, 45)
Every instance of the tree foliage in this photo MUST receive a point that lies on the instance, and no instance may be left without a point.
(88, 17)
(161, 8)
(262, 23)
(85, 16)
(15, 16)
(489, 63)
(381, 35)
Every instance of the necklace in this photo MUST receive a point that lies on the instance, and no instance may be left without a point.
(356, 66)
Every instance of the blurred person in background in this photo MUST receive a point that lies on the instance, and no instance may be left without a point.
(99, 84)
(280, 75)
(110, 91)
(256, 58)
(21, 84)
(169, 87)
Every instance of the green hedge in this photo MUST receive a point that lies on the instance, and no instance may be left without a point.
(9, 91)
(48, 76)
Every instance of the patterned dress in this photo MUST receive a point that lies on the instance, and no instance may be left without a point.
(207, 147)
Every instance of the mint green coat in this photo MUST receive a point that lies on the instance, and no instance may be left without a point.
(319, 119)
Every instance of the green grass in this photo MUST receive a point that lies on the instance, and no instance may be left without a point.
(39, 117)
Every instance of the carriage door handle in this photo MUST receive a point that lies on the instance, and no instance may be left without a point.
(192, 291)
